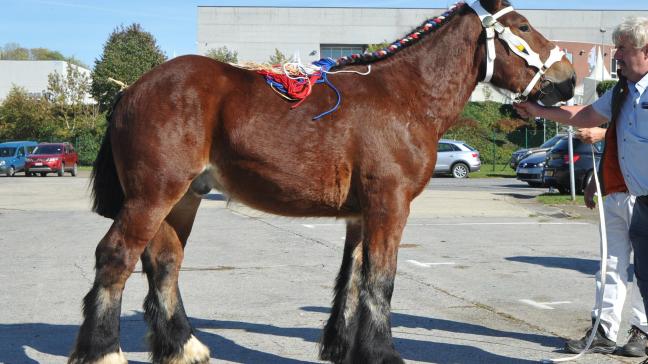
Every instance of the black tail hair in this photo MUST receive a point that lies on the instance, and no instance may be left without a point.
(107, 193)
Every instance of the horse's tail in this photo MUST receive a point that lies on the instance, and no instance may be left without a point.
(107, 193)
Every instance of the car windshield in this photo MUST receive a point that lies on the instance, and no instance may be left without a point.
(469, 147)
(579, 146)
(7, 152)
(48, 149)
(551, 142)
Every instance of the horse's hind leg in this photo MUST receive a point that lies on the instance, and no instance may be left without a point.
(339, 331)
(171, 337)
(116, 256)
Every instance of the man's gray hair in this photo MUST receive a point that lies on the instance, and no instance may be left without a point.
(633, 29)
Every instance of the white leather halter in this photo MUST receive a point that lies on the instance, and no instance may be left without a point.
(515, 43)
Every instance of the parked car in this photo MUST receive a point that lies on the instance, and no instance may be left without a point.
(13, 156)
(556, 172)
(457, 158)
(520, 154)
(531, 168)
(52, 158)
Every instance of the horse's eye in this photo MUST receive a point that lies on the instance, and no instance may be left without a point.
(524, 28)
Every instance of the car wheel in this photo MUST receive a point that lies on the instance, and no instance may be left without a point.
(61, 170)
(460, 170)
(43, 174)
(11, 171)
(74, 170)
(28, 174)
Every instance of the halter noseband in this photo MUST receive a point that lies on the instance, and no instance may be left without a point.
(515, 43)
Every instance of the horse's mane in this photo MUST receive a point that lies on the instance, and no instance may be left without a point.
(412, 37)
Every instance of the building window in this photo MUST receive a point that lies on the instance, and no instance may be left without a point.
(569, 55)
(336, 51)
(613, 68)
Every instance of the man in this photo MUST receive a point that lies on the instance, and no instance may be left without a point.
(623, 165)
(618, 214)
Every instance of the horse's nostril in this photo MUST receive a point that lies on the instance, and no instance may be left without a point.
(573, 78)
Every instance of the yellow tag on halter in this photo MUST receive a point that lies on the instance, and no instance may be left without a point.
(521, 48)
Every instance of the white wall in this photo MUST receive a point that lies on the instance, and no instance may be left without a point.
(32, 75)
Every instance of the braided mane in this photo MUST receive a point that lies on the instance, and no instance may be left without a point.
(429, 26)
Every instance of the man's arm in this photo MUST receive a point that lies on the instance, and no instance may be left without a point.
(578, 116)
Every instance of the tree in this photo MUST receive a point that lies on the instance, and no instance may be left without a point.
(67, 94)
(377, 46)
(14, 52)
(44, 54)
(223, 54)
(128, 53)
(25, 117)
(603, 86)
(278, 58)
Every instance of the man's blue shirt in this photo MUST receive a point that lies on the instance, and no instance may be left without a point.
(632, 134)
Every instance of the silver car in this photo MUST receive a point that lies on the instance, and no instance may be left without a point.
(457, 158)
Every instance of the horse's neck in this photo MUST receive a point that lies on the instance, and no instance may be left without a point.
(444, 68)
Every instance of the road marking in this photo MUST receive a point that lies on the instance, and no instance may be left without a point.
(309, 226)
(543, 305)
(428, 265)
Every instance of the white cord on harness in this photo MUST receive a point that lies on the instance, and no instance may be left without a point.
(599, 298)
(356, 72)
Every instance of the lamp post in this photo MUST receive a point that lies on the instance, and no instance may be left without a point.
(602, 30)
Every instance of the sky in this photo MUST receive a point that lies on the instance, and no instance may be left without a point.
(80, 28)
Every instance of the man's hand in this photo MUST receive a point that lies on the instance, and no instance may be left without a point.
(527, 109)
(591, 135)
(589, 192)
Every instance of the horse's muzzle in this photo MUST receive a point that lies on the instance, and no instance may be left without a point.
(553, 92)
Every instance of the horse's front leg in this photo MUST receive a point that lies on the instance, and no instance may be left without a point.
(340, 328)
(171, 336)
(385, 214)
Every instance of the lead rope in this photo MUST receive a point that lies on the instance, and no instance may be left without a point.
(599, 298)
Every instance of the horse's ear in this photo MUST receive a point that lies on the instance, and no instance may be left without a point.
(493, 5)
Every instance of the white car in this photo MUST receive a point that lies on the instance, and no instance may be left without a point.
(457, 158)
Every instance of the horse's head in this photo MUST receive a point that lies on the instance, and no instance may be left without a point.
(518, 58)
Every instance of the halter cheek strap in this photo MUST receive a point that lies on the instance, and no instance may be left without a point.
(517, 45)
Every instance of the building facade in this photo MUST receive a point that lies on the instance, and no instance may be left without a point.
(33, 76)
(314, 33)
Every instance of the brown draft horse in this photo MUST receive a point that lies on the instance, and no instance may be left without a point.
(364, 163)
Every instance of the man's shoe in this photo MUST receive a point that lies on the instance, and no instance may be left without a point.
(601, 344)
(636, 345)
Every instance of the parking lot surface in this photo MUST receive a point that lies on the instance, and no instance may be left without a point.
(485, 276)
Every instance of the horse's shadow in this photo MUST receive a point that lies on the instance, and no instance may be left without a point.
(58, 339)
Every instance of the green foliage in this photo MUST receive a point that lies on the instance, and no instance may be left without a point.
(23, 117)
(223, 54)
(14, 52)
(603, 86)
(128, 53)
(278, 58)
(487, 126)
(61, 117)
(377, 46)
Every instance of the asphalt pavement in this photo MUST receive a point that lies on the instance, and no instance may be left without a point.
(485, 275)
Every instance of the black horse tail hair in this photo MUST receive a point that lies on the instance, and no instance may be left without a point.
(107, 193)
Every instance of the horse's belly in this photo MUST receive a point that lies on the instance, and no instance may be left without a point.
(307, 192)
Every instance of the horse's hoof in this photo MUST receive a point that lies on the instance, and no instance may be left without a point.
(193, 352)
(112, 358)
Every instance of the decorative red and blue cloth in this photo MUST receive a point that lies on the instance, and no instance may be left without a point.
(300, 87)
